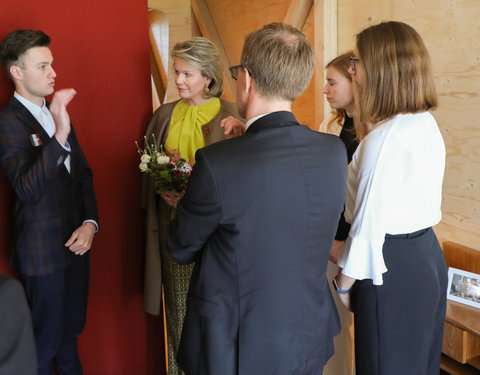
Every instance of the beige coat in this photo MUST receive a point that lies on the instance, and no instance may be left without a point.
(159, 125)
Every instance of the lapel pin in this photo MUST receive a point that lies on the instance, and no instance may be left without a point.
(35, 139)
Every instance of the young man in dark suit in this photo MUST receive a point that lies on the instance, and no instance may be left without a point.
(55, 210)
(259, 218)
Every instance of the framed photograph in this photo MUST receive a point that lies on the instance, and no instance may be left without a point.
(463, 287)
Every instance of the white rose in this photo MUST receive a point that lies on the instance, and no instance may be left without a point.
(143, 166)
(145, 158)
(163, 159)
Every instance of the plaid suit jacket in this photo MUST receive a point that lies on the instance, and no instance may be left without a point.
(50, 202)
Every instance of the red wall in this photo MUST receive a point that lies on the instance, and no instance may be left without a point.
(101, 49)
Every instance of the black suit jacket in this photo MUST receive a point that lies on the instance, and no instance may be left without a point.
(51, 203)
(258, 218)
(17, 346)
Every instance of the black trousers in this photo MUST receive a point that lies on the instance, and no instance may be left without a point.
(399, 325)
(59, 306)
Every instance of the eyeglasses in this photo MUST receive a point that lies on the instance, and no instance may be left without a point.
(353, 62)
(234, 71)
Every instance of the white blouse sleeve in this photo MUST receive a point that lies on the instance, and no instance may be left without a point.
(362, 257)
(394, 186)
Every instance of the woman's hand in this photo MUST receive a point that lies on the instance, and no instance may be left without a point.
(172, 197)
(336, 251)
(345, 298)
(233, 127)
(345, 283)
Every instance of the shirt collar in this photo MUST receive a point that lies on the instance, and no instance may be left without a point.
(32, 107)
(253, 119)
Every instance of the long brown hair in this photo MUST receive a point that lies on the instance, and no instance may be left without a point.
(398, 73)
(341, 64)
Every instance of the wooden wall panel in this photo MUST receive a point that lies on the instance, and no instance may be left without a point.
(450, 30)
(354, 16)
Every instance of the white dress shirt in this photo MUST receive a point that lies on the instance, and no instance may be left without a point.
(253, 119)
(394, 186)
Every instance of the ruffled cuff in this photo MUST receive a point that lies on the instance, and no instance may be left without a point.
(363, 259)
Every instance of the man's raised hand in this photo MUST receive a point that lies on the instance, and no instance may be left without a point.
(58, 108)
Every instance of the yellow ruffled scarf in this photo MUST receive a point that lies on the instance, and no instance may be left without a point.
(185, 132)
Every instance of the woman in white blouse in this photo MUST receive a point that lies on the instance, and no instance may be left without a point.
(391, 256)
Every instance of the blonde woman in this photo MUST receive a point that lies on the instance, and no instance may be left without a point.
(185, 125)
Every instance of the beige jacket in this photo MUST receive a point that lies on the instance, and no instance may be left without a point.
(159, 125)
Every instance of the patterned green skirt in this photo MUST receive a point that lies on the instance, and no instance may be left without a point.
(175, 280)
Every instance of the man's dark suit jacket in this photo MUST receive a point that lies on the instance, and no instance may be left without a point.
(17, 346)
(258, 218)
(51, 203)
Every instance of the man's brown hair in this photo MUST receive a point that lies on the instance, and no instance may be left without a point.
(17, 43)
(279, 58)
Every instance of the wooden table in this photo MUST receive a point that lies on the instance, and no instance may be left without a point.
(461, 340)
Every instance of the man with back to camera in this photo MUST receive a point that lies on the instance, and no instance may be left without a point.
(17, 346)
(258, 218)
(55, 209)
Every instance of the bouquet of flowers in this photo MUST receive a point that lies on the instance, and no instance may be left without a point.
(169, 170)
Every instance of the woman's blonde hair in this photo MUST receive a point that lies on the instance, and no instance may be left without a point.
(341, 64)
(398, 73)
(202, 55)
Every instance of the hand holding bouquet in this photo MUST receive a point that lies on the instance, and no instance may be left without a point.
(169, 171)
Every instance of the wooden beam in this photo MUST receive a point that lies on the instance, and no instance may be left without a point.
(158, 33)
(207, 27)
(318, 47)
(330, 38)
(158, 87)
(297, 13)
(179, 14)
